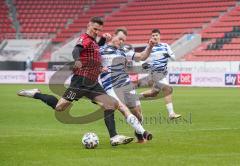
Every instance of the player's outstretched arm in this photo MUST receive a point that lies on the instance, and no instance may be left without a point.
(141, 56)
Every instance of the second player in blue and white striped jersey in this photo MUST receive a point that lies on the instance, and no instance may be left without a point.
(116, 81)
(157, 63)
(158, 59)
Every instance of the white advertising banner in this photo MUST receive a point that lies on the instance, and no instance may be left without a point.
(13, 77)
(202, 67)
(199, 79)
(27, 77)
(204, 79)
(208, 79)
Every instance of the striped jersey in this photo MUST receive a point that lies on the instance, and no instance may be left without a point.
(115, 61)
(158, 59)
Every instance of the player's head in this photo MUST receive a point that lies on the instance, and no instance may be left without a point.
(119, 37)
(156, 35)
(95, 26)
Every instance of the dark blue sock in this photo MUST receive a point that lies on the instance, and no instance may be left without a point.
(110, 122)
(47, 99)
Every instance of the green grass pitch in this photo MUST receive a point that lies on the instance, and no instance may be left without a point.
(208, 133)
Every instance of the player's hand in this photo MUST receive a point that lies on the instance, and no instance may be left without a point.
(78, 64)
(107, 36)
(104, 69)
(166, 55)
(152, 42)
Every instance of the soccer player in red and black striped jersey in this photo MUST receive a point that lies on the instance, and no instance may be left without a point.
(84, 82)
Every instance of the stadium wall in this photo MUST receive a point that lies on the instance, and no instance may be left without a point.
(199, 74)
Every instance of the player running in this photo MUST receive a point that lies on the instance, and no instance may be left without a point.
(85, 82)
(157, 63)
(116, 82)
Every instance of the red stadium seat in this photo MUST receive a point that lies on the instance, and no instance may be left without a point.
(226, 32)
(64, 19)
(6, 28)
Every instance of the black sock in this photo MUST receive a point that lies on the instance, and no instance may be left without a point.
(139, 136)
(48, 99)
(110, 122)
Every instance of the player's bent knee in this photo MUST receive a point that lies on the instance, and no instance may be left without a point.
(111, 105)
(167, 90)
(155, 93)
(116, 104)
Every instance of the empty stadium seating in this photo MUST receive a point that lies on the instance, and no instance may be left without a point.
(5, 22)
(61, 20)
(174, 18)
(99, 8)
(223, 38)
(40, 16)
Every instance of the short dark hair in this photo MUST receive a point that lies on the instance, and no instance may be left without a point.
(156, 31)
(97, 20)
(122, 29)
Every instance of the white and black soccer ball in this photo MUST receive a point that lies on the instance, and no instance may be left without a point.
(90, 140)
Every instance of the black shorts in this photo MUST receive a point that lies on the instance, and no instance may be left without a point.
(81, 86)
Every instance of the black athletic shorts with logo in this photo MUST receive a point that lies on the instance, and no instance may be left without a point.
(81, 86)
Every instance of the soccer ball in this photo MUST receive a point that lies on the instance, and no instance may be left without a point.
(90, 140)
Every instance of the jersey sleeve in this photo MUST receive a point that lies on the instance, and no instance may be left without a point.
(101, 50)
(83, 41)
(170, 52)
(103, 60)
(130, 54)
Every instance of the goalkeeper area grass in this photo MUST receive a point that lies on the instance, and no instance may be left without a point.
(207, 134)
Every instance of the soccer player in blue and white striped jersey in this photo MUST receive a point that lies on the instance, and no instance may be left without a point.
(116, 82)
(157, 63)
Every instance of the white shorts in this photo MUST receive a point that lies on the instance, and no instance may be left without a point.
(159, 80)
(127, 95)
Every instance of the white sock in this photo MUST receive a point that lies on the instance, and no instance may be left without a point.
(170, 108)
(133, 121)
